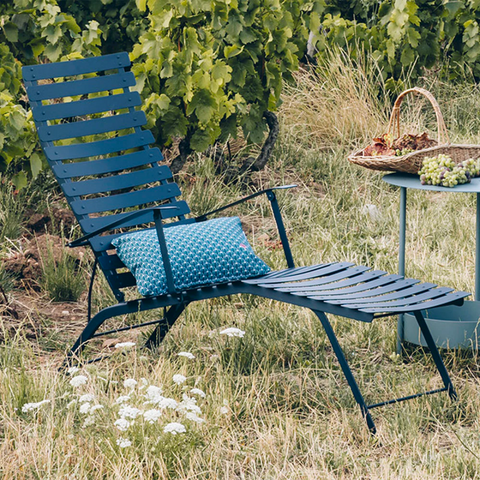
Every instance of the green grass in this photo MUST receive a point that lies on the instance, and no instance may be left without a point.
(277, 405)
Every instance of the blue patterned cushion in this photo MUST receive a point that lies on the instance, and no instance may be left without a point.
(204, 253)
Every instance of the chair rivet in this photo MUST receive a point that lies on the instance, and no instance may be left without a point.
(43, 113)
(141, 138)
(38, 93)
(49, 133)
(118, 56)
(151, 155)
(31, 69)
(73, 189)
(33, 76)
(56, 153)
(83, 207)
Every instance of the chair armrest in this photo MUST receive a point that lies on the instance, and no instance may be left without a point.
(80, 242)
(270, 192)
(204, 216)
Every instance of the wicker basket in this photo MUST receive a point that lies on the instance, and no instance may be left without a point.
(412, 162)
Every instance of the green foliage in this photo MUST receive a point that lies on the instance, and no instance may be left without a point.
(207, 67)
(32, 31)
(406, 35)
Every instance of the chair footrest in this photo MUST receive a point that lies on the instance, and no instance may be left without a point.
(358, 288)
(409, 397)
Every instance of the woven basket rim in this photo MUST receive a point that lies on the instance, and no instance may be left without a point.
(359, 153)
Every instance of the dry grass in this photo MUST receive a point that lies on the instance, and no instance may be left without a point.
(338, 103)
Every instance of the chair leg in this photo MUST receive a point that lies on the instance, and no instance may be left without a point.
(89, 331)
(163, 327)
(346, 370)
(436, 355)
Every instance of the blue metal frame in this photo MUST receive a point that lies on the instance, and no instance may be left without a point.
(338, 288)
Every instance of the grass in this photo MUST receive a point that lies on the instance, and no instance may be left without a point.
(277, 406)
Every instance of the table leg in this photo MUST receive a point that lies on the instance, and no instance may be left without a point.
(477, 253)
(401, 258)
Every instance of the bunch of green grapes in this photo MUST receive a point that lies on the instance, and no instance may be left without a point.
(473, 166)
(442, 170)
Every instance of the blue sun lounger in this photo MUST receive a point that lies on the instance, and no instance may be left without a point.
(113, 180)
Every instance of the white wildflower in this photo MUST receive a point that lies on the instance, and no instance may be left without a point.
(129, 383)
(88, 397)
(174, 428)
(151, 416)
(129, 412)
(72, 370)
(233, 332)
(224, 410)
(166, 402)
(197, 391)
(122, 399)
(95, 408)
(153, 394)
(122, 424)
(78, 381)
(27, 407)
(125, 345)
(124, 442)
(90, 420)
(179, 379)
(188, 405)
(85, 408)
(189, 355)
(194, 417)
(144, 381)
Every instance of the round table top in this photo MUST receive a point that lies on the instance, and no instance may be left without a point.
(409, 180)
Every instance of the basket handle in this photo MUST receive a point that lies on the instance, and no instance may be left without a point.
(395, 117)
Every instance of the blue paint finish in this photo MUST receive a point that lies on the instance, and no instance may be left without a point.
(99, 147)
(90, 106)
(34, 73)
(80, 87)
(52, 133)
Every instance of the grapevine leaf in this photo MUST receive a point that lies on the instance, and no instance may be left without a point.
(35, 164)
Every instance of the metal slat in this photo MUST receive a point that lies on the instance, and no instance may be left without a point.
(429, 304)
(91, 224)
(345, 273)
(115, 182)
(312, 273)
(85, 86)
(99, 147)
(52, 133)
(374, 292)
(75, 67)
(125, 200)
(368, 288)
(338, 287)
(79, 108)
(437, 292)
(112, 164)
(110, 262)
(395, 295)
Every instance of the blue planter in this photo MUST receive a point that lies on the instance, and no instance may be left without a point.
(451, 327)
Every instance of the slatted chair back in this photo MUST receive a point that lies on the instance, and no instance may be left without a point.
(91, 134)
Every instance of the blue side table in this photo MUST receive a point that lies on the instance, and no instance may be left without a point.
(461, 330)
